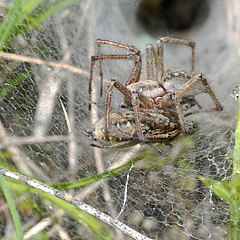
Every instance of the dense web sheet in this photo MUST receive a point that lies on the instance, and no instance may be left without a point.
(159, 197)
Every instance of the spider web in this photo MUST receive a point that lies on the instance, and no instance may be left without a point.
(160, 197)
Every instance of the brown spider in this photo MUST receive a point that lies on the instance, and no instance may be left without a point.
(167, 93)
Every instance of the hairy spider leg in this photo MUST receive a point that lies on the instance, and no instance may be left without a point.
(136, 104)
(160, 57)
(176, 97)
(104, 57)
(136, 57)
(115, 145)
(190, 84)
(179, 111)
(125, 91)
(131, 48)
(150, 60)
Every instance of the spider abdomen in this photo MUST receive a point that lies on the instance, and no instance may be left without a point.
(174, 79)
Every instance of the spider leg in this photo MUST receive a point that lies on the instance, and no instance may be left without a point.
(163, 136)
(180, 113)
(124, 144)
(190, 84)
(160, 59)
(135, 104)
(98, 43)
(131, 48)
(150, 59)
(157, 149)
(135, 56)
(125, 91)
(115, 145)
(136, 109)
(104, 57)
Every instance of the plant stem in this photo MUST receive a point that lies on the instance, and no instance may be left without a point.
(235, 185)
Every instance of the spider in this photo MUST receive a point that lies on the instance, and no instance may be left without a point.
(168, 93)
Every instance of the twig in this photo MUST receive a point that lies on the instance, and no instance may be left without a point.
(16, 141)
(21, 58)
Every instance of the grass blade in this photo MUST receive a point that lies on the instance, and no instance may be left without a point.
(220, 188)
(4, 90)
(9, 23)
(235, 184)
(12, 208)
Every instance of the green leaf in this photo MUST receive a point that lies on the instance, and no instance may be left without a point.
(220, 188)
(12, 208)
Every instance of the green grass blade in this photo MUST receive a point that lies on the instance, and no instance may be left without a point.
(220, 188)
(234, 232)
(8, 87)
(96, 227)
(29, 5)
(236, 153)
(9, 23)
(12, 208)
(22, 17)
(88, 180)
(49, 11)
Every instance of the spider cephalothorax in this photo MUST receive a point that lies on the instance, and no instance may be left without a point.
(168, 93)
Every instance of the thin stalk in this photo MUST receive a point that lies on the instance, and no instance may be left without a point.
(12, 207)
(234, 230)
